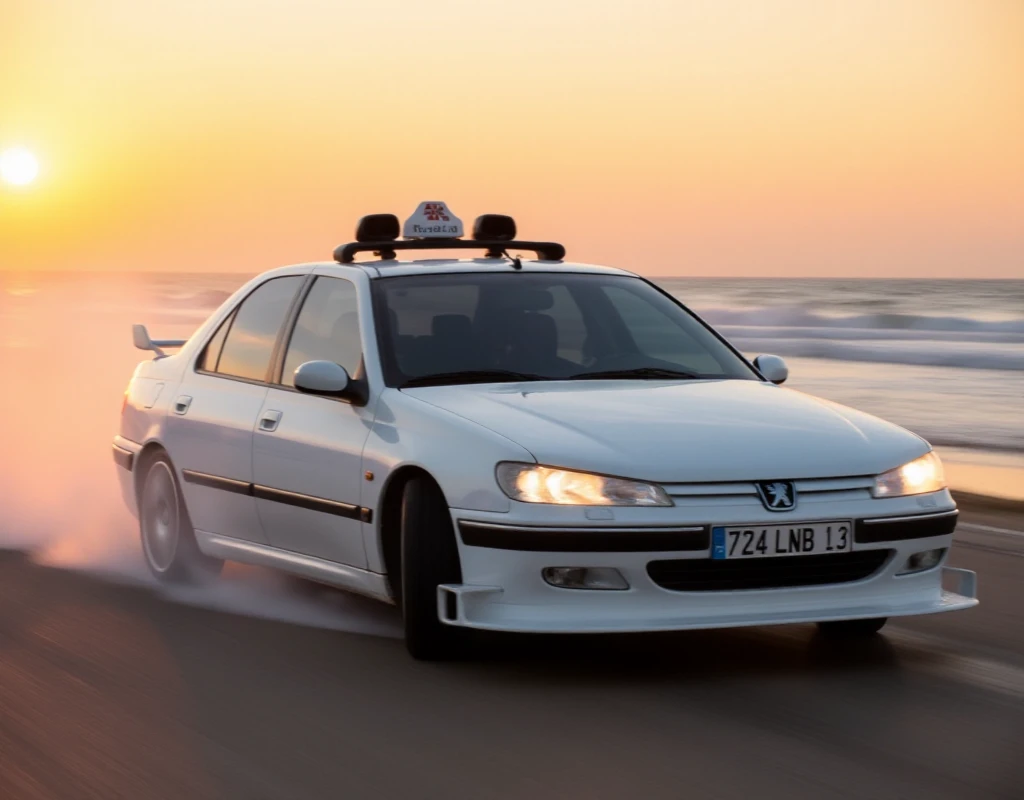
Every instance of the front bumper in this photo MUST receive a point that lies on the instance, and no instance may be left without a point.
(481, 607)
(504, 589)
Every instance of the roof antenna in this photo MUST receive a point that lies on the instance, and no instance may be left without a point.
(517, 262)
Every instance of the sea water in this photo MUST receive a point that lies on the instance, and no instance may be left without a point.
(944, 358)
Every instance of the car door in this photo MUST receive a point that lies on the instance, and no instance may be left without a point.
(307, 450)
(211, 418)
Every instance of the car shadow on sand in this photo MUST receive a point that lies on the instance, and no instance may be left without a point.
(702, 655)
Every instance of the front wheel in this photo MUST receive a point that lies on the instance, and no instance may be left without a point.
(430, 557)
(168, 539)
(852, 628)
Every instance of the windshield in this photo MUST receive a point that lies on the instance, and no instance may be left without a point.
(492, 327)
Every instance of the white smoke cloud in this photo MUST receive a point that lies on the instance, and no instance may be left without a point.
(66, 357)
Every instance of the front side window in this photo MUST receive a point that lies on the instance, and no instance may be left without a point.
(481, 327)
(327, 329)
(250, 340)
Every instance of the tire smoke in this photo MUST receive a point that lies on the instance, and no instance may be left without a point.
(66, 357)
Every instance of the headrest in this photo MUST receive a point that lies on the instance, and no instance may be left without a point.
(540, 326)
(451, 326)
(537, 334)
(526, 299)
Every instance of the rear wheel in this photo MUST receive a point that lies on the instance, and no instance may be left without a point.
(852, 628)
(168, 539)
(430, 557)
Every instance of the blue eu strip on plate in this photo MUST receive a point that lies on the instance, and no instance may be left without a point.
(718, 543)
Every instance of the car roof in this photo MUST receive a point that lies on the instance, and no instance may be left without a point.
(437, 266)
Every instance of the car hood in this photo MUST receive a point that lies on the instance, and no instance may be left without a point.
(682, 432)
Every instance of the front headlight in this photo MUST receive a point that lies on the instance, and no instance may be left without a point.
(920, 476)
(533, 483)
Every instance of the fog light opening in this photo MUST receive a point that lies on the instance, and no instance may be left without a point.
(925, 560)
(451, 606)
(600, 578)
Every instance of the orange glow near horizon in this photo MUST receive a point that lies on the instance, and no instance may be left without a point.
(714, 137)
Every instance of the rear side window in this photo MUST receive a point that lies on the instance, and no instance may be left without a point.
(327, 329)
(250, 341)
(211, 353)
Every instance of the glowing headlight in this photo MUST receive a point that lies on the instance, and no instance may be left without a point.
(919, 476)
(532, 483)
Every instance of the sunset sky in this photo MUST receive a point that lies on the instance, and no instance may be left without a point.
(721, 137)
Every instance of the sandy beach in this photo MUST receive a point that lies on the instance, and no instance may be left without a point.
(108, 689)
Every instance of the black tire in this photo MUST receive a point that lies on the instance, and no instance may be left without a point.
(430, 557)
(168, 538)
(852, 628)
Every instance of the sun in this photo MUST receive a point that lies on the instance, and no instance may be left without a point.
(18, 166)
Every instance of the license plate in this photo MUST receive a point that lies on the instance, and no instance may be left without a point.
(796, 539)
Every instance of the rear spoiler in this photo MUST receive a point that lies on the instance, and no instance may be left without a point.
(140, 338)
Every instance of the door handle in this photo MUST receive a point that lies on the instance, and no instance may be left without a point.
(181, 405)
(269, 420)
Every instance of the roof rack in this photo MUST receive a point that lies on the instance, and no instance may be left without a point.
(547, 251)
(434, 227)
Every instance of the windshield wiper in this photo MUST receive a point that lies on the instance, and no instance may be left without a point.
(640, 373)
(472, 376)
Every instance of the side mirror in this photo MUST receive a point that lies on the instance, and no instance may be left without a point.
(323, 378)
(773, 368)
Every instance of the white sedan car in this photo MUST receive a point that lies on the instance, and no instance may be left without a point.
(522, 445)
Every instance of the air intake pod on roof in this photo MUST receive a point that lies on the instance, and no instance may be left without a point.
(377, 228)
(494, 228)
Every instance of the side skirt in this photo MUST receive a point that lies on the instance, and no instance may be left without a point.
(352, 579)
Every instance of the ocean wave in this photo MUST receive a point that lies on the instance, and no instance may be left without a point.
(867, 334)
(979, 443)
(797, 317)
(206, 299)
(946, 355)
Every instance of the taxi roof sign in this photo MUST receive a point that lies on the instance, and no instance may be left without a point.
(432, 220)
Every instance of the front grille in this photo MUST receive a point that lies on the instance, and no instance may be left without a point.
(705, 575)
(738, 494)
